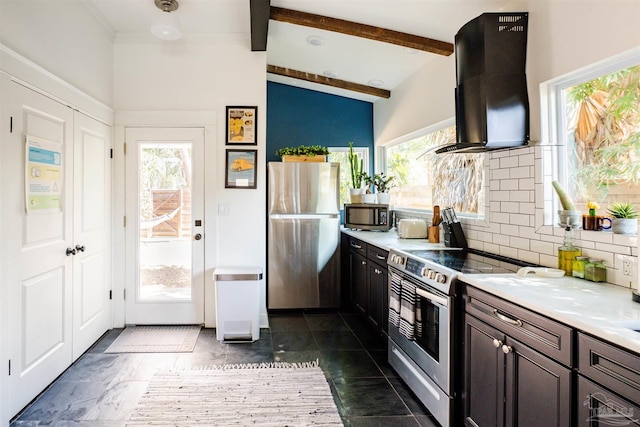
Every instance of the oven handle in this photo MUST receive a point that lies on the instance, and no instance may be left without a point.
(433, 297)
(506, 319)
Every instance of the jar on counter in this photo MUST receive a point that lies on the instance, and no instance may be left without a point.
(578, 266)
(595, 270)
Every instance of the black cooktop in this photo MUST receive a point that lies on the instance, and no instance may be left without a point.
(469, 261)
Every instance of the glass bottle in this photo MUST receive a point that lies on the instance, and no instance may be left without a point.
(595, 270)
(567, 253)
(578, 266)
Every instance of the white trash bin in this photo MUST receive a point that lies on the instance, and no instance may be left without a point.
(237, 303)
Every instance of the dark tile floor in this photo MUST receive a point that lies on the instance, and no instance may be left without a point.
(100, 390)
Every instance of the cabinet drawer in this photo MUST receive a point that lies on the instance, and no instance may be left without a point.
(610, 366)
(377, 254)
(358, 246)
(539, 332)
(599, 407)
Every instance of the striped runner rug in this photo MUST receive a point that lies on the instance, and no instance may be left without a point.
(273, 394)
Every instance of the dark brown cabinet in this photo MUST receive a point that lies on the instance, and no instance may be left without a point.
(378, 277)
(368, 280)
(509, 378)
(608, 384)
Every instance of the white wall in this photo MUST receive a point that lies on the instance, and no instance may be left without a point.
(564, 36)
(63, 37)
(204, 77)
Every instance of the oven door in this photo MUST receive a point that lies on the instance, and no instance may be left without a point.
(429, 348)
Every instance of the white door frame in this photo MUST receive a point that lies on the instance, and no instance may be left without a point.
(123, 119)
(137, 310)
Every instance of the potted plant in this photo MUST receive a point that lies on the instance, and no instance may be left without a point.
(568, 215)
(355, 168)
(303, 153)
(624, 219)
(383, 184)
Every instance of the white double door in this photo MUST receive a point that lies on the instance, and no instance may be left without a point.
(164, 225)
(56, 255)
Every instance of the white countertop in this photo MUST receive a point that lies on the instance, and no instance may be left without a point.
(390, 240)
(601, 309)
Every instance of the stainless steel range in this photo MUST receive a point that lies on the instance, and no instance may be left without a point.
(423, 320)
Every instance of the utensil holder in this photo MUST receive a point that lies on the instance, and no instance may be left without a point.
(433, 231)
(454, 236)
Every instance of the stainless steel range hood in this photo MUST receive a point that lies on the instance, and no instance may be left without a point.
(492, 103)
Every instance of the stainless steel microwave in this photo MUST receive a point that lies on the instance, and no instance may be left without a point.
(368, 217)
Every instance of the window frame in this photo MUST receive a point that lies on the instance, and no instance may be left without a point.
(381, 164)
(553, 123)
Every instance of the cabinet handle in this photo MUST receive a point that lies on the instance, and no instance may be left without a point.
(380, 257)
(354, 245)
(506, 319)
(506, 349)
(364, 262)
(497, 343)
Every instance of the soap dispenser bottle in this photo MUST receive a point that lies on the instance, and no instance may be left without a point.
(567, 253)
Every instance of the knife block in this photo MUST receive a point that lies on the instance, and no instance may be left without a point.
(454, 236)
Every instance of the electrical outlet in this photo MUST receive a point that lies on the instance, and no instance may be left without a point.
(628, 265)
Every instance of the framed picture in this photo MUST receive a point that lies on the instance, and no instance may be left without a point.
(242, 125)
(241, 169)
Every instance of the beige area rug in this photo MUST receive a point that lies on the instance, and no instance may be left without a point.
(155, 339)
(271, 394)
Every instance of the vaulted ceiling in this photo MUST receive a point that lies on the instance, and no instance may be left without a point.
(361, 49)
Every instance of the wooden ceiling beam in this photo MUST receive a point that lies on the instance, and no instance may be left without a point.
(328, 81)
(260, 11)
(361, 30)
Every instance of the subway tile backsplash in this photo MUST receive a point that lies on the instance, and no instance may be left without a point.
(519, 201)
(519, 218)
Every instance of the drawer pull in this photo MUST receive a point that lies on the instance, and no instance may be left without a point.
(506, 319)
(497, 343)
(506, 349)
(380, 257)
(355, 245)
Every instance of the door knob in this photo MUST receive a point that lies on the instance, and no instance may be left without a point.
(497, 343)
(71, 251)
(506, 349)
(198, 236)
(80, 248)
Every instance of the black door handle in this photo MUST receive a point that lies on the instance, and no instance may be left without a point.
(71, 251)
(80, 248)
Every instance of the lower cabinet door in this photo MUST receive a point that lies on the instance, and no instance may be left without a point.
(599, 407)
(484, 375)
(378, 305)
(359, 282)
(538, 390)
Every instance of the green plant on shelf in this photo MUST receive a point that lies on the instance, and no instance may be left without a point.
(303, 150)
(622, 210)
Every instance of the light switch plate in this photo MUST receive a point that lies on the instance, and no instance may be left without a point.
(223, 209)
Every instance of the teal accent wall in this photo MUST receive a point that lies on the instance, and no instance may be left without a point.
(298, 116)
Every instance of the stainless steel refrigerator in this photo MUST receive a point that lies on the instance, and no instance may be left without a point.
(303, 235)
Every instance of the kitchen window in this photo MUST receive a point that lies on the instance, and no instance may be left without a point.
(424, 179)
(598, 127)
(340, 155)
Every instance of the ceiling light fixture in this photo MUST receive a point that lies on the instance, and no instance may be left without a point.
(166, 26)
(315, 40)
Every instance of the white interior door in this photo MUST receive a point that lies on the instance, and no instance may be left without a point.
(164, 225)
(37, 271)
(91, 232)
